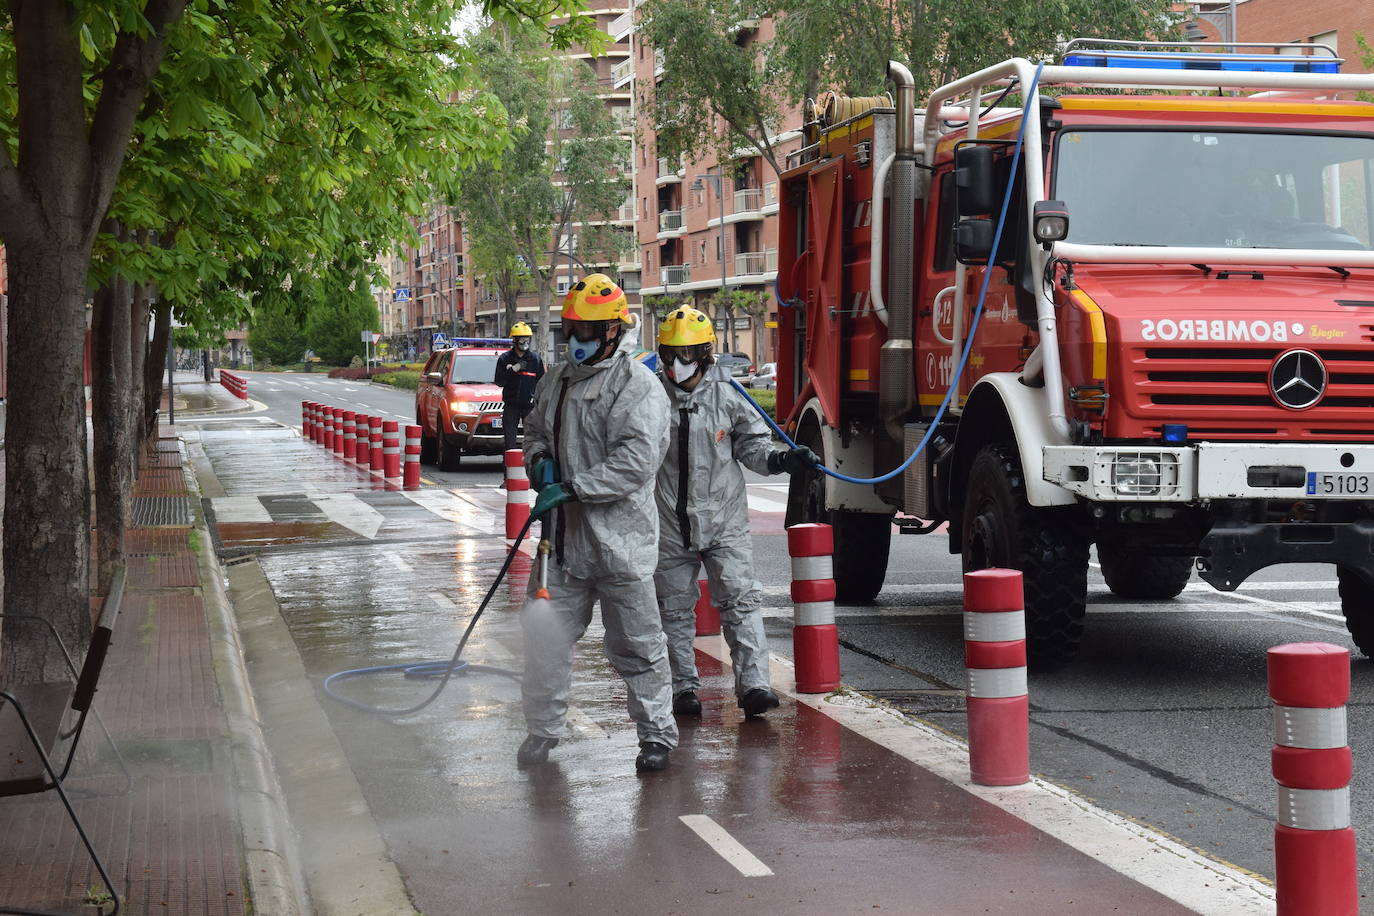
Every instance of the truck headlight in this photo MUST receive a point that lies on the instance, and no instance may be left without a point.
(1136, 475)
(462, 406)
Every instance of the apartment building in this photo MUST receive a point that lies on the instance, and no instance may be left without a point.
(705, 225)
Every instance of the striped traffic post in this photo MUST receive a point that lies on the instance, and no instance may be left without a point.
(1314, 844)
(707, 614)
(514, 459)
(519, 496)
(337, 414)
(815, 640)
(374, 442)
(995, 656)
(317, 427)
(350, 420)
(391, 450)
(411, 480)
(305, 419)
(361, 424)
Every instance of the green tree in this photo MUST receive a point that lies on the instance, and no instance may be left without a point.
(566, 170)
(277, 337)
(258, 79)
(335, 325)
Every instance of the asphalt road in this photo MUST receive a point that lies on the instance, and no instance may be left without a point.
(1164, 718)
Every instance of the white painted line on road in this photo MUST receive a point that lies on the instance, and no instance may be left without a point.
(762, 503)
(582, 725)
(442, 600)
(1202, 884)
(448, 506)
(236, 509)
(352, 513)
(399, 563)
(726, 846)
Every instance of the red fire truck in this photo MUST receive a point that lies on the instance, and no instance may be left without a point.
(1170, 353)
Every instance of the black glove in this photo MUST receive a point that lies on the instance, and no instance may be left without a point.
(793, 461)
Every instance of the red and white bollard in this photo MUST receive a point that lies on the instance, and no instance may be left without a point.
(319, 424)
(519, 496)
(411, 480)
(998, 698)
(350, 435)
(708, 615)
(305, 419)
(1314, 844)
(374, 442)
(361, 424)
(337, 414)
(391, 450)
(815, 640)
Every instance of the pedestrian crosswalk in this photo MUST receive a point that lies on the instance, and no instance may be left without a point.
(266, 519)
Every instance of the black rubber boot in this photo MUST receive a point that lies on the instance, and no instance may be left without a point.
(758, 701)
(687, 704)
(652, 756)
(534, 750)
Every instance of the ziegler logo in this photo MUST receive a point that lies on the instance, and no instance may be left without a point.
(1297, 379)
(1220, 329)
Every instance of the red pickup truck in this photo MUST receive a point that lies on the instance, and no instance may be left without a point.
(458, 407)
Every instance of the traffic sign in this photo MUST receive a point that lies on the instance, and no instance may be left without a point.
(403, 294)
(440, 340)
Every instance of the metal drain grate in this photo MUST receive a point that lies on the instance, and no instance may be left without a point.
(157, 511)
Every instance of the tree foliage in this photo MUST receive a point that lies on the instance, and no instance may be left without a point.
(564, 172)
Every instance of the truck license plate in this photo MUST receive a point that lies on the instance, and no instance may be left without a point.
(1339, 483)
(495, 422)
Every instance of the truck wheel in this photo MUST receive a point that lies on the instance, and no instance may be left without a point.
(1141, 575)
(428, 446)
(447, 455)
(862, 539)
(1049, 546)
(1357, 604)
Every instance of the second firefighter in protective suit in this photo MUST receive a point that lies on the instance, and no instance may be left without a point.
(593, 442)
(703, 511)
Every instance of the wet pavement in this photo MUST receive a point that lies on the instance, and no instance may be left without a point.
(827, 805)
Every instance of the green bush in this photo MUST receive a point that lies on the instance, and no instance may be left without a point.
(768, 400)
(401, 379)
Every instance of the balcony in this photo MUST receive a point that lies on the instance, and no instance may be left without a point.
(658, 62)
(748, 199)
(675, 275)
(669, 171)
(622, 73)
(621, 26)
(625, 213)
(751, 263)
(670, 224)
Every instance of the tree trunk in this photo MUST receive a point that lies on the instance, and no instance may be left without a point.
(138, 356)
(47, 491)
(155, 367)
(546, 345)
(110, 423)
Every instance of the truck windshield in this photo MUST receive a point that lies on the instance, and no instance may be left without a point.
(1215, 189)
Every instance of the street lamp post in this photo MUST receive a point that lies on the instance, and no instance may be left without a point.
(716, 179)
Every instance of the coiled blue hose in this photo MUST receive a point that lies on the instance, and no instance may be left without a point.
(973, 325)
(444, 669)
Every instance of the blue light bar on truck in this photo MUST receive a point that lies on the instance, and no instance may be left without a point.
(1236, 63)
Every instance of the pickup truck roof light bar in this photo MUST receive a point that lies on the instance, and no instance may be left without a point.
(1237, 56)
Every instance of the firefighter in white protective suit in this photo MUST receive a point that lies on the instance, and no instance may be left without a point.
(703, 512)
(594, 439)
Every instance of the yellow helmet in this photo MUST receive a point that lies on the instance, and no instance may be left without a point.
(686, 327)
(596, 298)
(520, 329)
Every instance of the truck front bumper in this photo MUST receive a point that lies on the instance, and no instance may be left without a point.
(1189, 473)
(1231, 553)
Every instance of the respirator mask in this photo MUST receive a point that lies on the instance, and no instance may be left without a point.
(589, 341)
(683, 364)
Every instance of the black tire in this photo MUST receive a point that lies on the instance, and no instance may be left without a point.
(428, 446)
(1049, 546)
(1141, 575)
(862, 539)
(447, 455)
(1357, 604)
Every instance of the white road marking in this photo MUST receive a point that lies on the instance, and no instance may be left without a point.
(348, 510)
(442, 600)
(762, 503)
(583, 726)
(726, 846)
(399, 563)
(235, 509)
(1192, 879)
(459, 511)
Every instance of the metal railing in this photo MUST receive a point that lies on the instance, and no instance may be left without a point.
(621, 25)
(747, 199)
(676, 274)
(756, 262)
(669, 220)
(622, 73)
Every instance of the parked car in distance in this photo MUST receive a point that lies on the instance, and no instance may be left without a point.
(737, 364)
(458, 406)
(766, 377)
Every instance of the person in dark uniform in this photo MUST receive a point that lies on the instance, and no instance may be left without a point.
(518, 370)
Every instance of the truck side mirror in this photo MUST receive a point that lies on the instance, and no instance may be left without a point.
(973, 240)
(975, 179)
(435, 378)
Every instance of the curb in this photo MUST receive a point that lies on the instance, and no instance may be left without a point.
(271, 859)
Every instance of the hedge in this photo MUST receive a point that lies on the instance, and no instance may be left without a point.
(400, 378)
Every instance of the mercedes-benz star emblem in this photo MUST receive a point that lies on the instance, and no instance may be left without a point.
(1298, 379)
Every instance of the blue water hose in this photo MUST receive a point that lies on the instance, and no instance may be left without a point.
(973, 325)
(443, 669)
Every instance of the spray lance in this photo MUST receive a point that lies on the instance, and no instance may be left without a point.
(545, 473)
